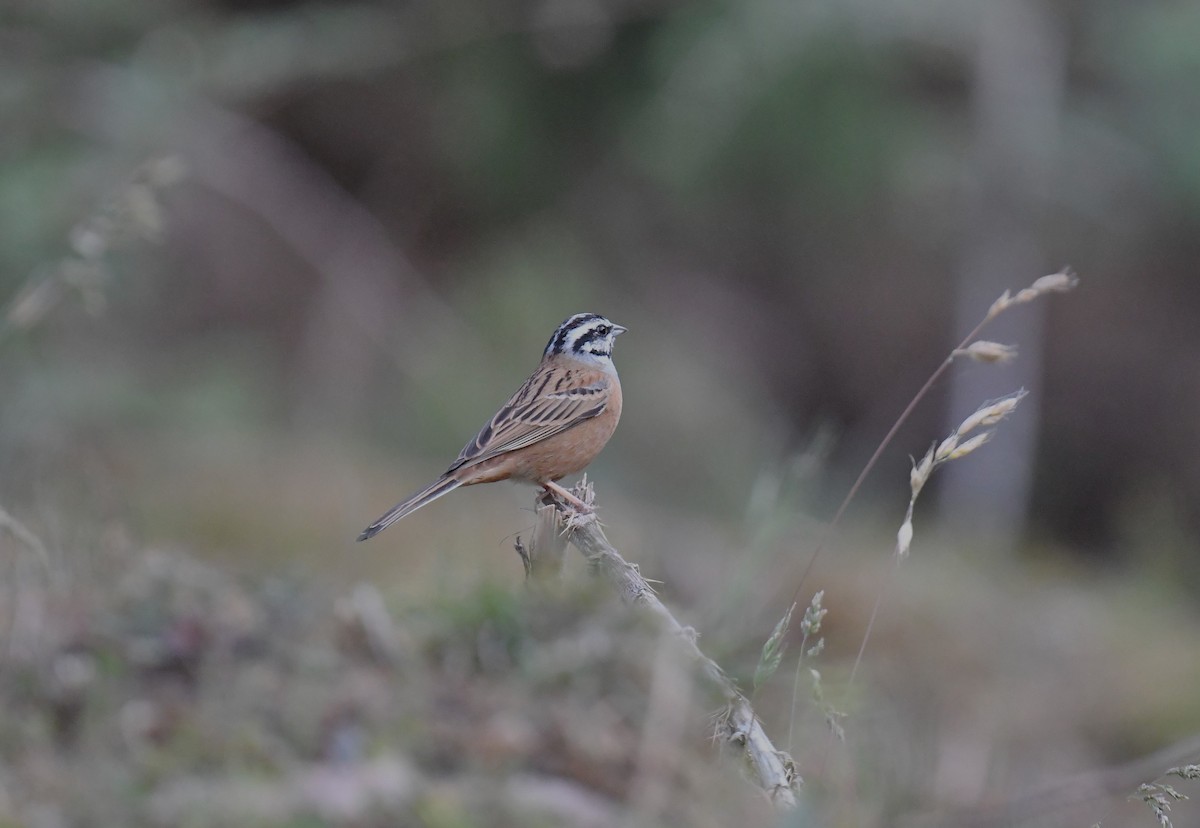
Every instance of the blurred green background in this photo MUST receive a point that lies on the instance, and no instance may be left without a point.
(265, 265)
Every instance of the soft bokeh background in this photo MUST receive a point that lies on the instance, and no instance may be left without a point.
(266, 265)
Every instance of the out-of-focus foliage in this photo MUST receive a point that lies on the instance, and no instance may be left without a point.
(470, 708)
(265, 265)
(783, 193)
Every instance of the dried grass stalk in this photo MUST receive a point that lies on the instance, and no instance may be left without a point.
(738, 726)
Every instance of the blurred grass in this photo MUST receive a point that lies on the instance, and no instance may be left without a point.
(140, 672)
(1031, 671)
(770, 197)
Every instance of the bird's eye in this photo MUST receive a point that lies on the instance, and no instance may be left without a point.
(603, 330)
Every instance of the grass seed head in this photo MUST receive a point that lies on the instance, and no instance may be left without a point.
(991, 413)
(813, 615)
(970, 445)
(904, 538)
(983, 350)
(1060, 282)
(945, 448)
(920, 472)
(1000, 305)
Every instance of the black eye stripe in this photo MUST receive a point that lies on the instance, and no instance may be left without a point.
(597, 333)
(558, 342)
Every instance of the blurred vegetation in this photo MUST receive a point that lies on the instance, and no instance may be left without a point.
(265, 265)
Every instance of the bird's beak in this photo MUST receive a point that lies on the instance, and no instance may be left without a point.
(619, 329)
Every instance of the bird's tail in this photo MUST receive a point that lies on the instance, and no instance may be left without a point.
(441, 486)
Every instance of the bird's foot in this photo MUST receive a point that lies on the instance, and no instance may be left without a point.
(570, 499)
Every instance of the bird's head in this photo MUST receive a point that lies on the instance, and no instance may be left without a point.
(585, 336)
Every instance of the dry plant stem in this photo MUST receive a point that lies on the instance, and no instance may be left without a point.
(796, 692)
(547, 549)
(30, 540)
(739, 727)
(1116, 781)
(1061, 282)
(862, 645)
(850, 495)
(887, 441)
(26, 622)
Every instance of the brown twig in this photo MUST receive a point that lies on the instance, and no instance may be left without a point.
(548, 545)
(738, 726)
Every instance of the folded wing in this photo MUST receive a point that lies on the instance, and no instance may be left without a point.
(550, 402)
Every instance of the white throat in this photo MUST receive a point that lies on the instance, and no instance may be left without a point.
(601, 361)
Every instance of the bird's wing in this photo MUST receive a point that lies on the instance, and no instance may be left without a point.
(554, 399)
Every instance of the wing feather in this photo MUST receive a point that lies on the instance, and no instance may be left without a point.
(532, 414)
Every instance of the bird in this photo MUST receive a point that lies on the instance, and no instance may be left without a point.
(554, 425)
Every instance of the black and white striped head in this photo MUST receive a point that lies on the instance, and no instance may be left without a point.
(586, 336)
